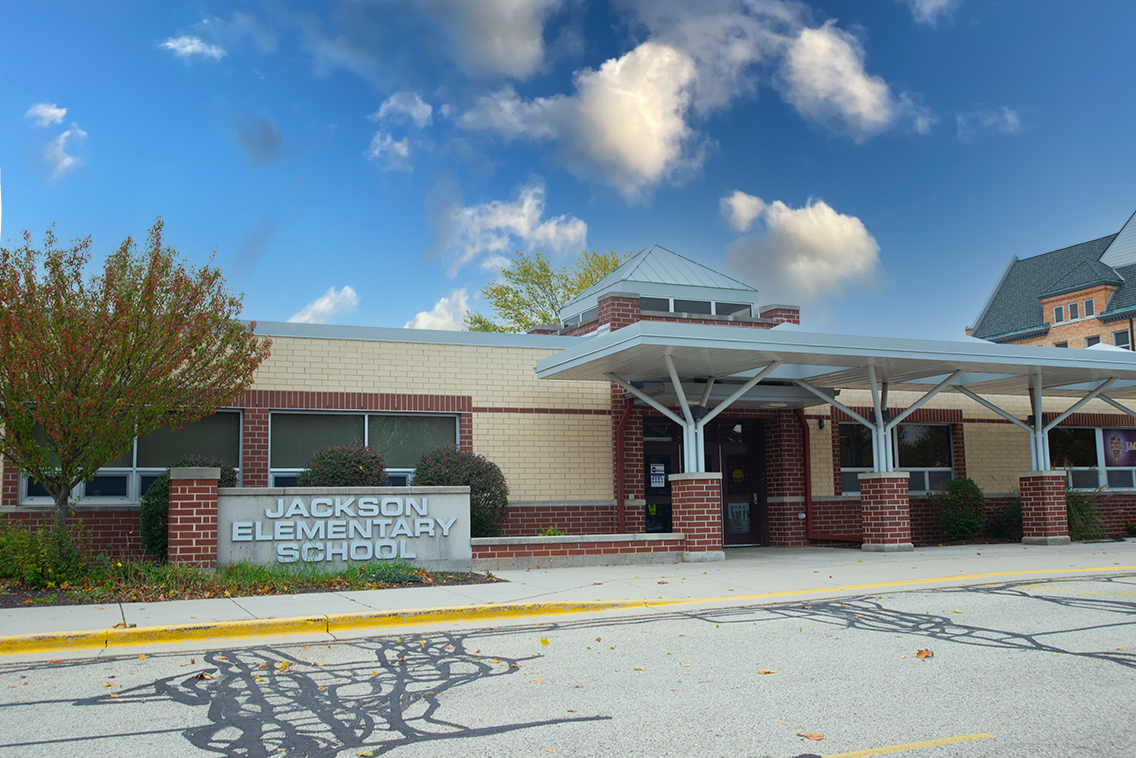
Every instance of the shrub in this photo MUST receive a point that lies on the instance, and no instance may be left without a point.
(154, 517)
(1006, 522)
(552, 531)
(1081, 511)
(488, 491)
(353, 465)
(1131, 529)
(960, 509)
(44, 558)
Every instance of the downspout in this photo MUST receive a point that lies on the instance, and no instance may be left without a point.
(620, 500)
(808, 467)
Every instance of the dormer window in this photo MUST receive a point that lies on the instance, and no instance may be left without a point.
(1090, 308)
(1058, 314)
(694, 307)
(1074, 311)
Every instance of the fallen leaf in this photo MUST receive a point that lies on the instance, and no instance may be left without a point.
(262, 666)
(638, 669)
(111, 694)
(58, 660)
(202, 675)
(924, 654)
(365, 753)
(956, 611)
(663, 582)
(597, 583)
(543, 641)
(766, 671)
(571, 710)
(119, 625)
(142, 657)
(599, 639)
(807, 607)
(816, 736)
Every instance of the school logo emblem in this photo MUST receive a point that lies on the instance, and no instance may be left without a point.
(738, 475)
(1115, 447)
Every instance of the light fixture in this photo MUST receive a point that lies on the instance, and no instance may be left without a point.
(820, 424)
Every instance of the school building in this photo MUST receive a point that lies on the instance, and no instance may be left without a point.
(670, 416)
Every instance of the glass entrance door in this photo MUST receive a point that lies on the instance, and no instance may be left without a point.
(739, 455)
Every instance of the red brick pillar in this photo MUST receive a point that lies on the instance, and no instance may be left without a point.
(193, 516)
(885, 510)
(254, 456)
(696, 511)
(1044, 518)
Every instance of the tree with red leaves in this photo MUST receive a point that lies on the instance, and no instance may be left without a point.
(89, 363)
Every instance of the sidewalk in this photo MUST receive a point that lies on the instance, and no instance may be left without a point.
(749, 576)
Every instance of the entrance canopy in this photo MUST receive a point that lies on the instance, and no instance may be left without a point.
(681, 355)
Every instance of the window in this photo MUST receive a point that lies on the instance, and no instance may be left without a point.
(402, 440)
(922, 449)
(1058, 314)
(1120, 339)
(1075, 450)
(662, 304)
(733, 309)
(1093, 340)
(1074, 311)
(131, 474)
(1061, 344)
(1090, 308)
(692, 306)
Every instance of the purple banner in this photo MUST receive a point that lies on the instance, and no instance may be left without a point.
(1119, 447)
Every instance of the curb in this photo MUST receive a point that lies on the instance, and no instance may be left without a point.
(350, 622)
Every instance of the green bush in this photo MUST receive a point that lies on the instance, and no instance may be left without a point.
(1006, 522)
(44, 558)
(488, 491)
(354, 465)
(155, 506)
(960, 509)
(1081, 511)
(552, 531)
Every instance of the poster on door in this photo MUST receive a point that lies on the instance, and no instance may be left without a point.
(658, 475)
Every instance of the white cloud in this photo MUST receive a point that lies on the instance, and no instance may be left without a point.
(805, 254)
(448, 314)
(486, 233)
(929, 12)
(403, 106)
(330, 303)
(186, 47)
(389, 153)
(55, 155)
(1005, 120)
(625, 126)
(495, 37)
(241, 25)
(824, 79)
(741, 210)
(46, 114)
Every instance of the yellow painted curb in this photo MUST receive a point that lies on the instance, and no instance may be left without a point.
(46, 643)
(343, 622)
(216, 630)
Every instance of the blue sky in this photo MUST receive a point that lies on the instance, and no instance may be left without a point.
(371, 162)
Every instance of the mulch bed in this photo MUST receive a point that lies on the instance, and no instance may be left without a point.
(26, 597)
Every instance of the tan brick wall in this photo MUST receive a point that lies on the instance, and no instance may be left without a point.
(820, 451)
(1074, 332)
(548, 457)
(492, 376)
(995, 455)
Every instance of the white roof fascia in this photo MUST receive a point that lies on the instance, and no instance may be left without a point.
(419, 336)
(725, 351)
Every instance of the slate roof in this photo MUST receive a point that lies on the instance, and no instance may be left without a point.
(1084, 274)
(1015, 306)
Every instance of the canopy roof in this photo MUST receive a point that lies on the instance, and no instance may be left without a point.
(836, 361)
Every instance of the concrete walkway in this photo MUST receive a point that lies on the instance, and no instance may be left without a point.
(748, 576)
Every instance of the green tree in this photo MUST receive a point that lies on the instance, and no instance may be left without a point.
(533, 291)
(89, 363)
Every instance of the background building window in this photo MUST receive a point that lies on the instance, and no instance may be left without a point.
(1092, 340)
(126, 478)
(1061, 344)
(402, 440)
(1090, 308)
(1074, 311)
(1120, 339)
(1058, 314)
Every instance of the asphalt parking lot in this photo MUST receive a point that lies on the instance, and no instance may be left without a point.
(1021, 668)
